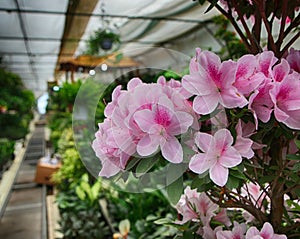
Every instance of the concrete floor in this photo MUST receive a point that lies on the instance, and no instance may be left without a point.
(24, 214)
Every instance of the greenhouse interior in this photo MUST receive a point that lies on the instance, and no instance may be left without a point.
(150, 119)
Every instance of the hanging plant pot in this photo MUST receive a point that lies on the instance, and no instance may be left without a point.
(106, 44)
(103, 42)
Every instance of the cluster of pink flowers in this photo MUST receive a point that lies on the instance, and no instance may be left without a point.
(197, 207)
(147, 118)
(140, 121)
(259, 82)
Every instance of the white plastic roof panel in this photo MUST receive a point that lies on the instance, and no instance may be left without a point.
(30, 40)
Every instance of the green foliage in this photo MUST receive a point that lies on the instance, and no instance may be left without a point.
(95, 42)
(142, 210)
(18, 103)
(63, 100)
(71, 171)
(57, 123)
(81, 218)
(6, 151)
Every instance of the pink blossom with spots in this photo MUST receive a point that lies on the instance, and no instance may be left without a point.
(211, 81)
(286, 99)
(266, 61)
(260, 102)
(243, 143)
(218, 155)
(143, 119)
(161, 124)
(247, 79)
(195, 206)
(267, 232)
(238, 232)
(293, 59)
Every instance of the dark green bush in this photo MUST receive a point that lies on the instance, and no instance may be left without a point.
(6, 151)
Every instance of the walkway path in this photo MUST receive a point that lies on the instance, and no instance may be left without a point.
(25, 213)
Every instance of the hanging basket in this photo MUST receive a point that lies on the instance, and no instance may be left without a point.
(103, 42)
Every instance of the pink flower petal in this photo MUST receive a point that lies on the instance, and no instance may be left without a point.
(144, 119)
(230, 158)
(252, 232)
(195, 84)
(148, 145)
(180, 123)
(223, 139)
(108, 169)
(204, 141)
(267, 231)
(172, 150)
(218, 174)
(199, 163)
(206, 104)
(134, 82)
(243, 146)
(231, 98)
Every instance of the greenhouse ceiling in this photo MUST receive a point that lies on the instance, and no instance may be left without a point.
(37, 35)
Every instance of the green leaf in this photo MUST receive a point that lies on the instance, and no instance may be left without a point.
(233, 182)
(238, 174)
(163, 221)
(188, 235)
(145, 165)
(80, 193)
(266, 179)
(175, 190)
(87, 188)
(296, 167)
(95, 190)
(293, 156)
(297, 142)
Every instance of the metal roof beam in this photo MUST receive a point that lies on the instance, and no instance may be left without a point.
(86, 14)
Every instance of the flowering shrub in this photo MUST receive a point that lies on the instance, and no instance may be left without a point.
(232, 125)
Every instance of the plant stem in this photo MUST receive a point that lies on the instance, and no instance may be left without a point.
(276, 194)
(235, 25)
(253, 46)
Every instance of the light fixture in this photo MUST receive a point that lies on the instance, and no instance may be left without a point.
(104, 67)
(55, 88)
(92, 72)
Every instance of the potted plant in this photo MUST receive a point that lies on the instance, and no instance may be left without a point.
(102, 42)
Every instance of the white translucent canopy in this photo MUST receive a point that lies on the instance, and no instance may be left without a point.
(31, 32)
(30, 41)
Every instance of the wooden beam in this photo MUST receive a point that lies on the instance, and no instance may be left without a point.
(75, 26)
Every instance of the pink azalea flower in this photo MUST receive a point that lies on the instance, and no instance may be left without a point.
(161, 124)
(195, 206)
(266, 232)
(113, 159)
(281, 70)
(293, 59)
(260, 102)
(218, 155)
(184, 206)
(223, 217)
(212, 84)
(175, 85)
(266, 61)
(286, 99)
(127, 129)
(243, 144)
(247, 79)
(208, 233)
(238, 232)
